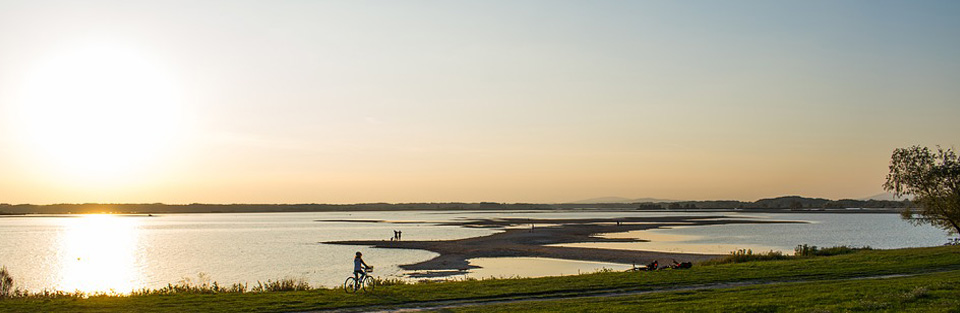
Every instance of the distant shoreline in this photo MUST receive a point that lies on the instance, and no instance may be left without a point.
(591, 209)
(772, 205)
(772, 211)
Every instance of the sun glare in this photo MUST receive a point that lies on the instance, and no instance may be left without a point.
(99, 254)
(99, 111)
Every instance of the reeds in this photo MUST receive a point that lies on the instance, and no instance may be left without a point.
(286, 284)
(200, 285)
(391, 281)
(7, 289)
(747, 255)
(801, 251)
(6, 283)
(806, 251)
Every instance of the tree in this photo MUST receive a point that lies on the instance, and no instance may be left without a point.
(933, 179)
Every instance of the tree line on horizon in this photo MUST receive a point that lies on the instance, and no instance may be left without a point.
(788, 202)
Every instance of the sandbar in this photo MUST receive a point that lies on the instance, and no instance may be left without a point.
(523, 237)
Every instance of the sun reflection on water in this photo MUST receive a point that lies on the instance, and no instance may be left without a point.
(98, 254)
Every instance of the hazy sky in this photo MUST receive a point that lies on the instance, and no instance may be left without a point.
(508, 101)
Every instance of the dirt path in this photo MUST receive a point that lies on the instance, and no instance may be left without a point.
(450, 304)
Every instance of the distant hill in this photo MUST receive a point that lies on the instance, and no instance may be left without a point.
(886, 196)
(621, 200)
(791, 202)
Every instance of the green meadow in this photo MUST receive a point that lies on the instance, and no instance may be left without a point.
(914, 279)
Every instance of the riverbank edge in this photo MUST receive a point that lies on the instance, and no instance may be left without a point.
(908, 261)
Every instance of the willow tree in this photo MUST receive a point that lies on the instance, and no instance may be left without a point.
(933, 179)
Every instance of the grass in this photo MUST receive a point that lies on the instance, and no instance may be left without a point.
(938, 292)
(856, 264)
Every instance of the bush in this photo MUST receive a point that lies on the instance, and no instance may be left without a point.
(201, 285)
(204, 286)
(187, 285)
(747, 255)
(807, 251)
(6, 283)
(391, 282)
(286, 284)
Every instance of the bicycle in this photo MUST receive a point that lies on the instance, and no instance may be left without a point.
(364, 282)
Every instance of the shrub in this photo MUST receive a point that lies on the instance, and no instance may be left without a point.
(747, 255)
(6, 283)
(286, 284)
(188, 286)
(391, 282)
(806, 251)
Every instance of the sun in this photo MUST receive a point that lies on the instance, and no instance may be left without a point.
(99, 111)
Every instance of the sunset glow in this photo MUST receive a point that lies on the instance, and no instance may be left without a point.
(98, 113)
(541, 101)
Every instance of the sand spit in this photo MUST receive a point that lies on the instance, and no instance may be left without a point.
(523, 238)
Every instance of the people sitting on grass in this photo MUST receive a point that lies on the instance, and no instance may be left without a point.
(681, 265)
(653, 266)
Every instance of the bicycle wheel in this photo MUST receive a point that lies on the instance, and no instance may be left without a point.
(368, 283)
(350, 285)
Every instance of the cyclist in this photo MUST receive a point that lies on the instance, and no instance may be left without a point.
(359, 266)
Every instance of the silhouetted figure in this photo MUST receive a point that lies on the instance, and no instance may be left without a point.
(399, 235)
(359, 265)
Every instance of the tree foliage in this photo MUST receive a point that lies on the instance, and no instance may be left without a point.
(933, 179)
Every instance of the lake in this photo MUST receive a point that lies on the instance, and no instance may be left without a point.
(121, 253)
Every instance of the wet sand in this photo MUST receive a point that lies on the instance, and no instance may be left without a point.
(523, 238)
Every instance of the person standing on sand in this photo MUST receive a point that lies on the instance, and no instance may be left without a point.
(399, 235)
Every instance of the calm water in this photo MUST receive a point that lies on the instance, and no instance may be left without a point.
(121, 253)
(883, 231)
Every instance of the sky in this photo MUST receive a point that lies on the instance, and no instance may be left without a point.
(438, 101)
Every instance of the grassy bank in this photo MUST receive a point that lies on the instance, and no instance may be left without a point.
(858, 264)
(939, 292)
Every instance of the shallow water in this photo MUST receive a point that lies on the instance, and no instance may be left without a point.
(883, 231)
(537, 267)
(104, 252)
